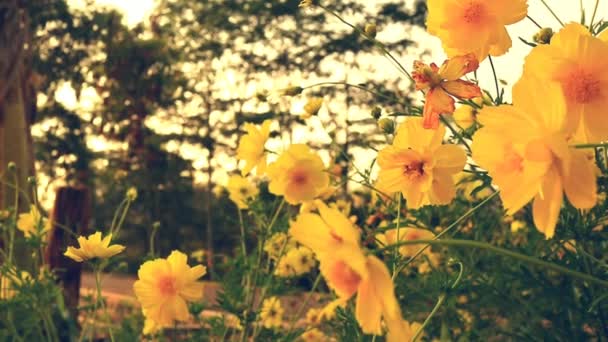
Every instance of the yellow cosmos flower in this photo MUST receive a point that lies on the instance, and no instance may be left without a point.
(93, 247)
(295, 262)
(251, 148)
(271, 314)
(577, 61)
(314, 335)
(241, 190)
(165, 286)
(442, 84)
(419, 166)
(348, 271)
(474, 26)
(298, 175)
(525, 149)
(30, 222)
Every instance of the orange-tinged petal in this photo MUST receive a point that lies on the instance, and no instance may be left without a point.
(437, 102)
(604, 36)
(411, 134)
(310, 230)
(580, 183)
(547, 105)
(340, 225)
(547, 204)
(443, 189)
(570, 40)
(462, 89)
(502, 42)
(456, 67)
(509, 11)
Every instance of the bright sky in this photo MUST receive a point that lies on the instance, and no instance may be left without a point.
(508, 66)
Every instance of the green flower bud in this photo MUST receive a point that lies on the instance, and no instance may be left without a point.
(543, 36)
(376, 112)
(370, 30)
(387, 125)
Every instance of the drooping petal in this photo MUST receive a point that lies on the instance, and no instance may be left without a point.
(456, 67)
(462, 89)
(548, 203)
(411, 134)
(437, 102)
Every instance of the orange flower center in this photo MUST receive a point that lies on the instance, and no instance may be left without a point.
(345, 278)
(582, 87)
(474, 13)
(166, 285)
(299, 177)
(414, 169)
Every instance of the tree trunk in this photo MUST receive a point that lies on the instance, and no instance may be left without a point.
(71, 212)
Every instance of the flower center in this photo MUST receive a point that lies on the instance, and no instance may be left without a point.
(582, 87)
(243, 191)
(167, 286)
(345, 278)
(299, 177)
(474, 13)
(414, 169)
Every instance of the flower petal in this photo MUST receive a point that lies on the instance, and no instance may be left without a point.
(547, 204)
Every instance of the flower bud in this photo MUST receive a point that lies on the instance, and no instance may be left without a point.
(132, 194)
(313, 106)
(370, 30)
(543, 36)
(376, 112)
(387, 125)
(12, 166)
(31, 180)
(291, 91)
(156, 225)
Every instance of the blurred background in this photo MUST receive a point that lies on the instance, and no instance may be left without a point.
(153, 94)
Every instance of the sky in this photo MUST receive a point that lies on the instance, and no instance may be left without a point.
(508, 67)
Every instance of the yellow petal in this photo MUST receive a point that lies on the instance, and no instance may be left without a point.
(450, 158)
(547, 205)
(456, 67)
(580, 183)
(411, 134)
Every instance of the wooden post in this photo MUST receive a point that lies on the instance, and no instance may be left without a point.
(71, 212)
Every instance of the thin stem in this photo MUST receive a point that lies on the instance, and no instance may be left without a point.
(507, 253)
(396, 251)
(459, 136)
(242, 227)
(371, 39)
(498, 99)
(116, 229)
(534, 21)
(552, 13)
(450, 227)
(581, 146)
(306, 300)
(350, 85)
(102, 302)
(597, 3)
(440, 301)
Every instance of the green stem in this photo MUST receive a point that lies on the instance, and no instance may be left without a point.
(581, 146)
(440, 301)
(534, 21)
(450, 227)
(507, 253)
(242, 227)
(102, 302)
(152, 238)
(498, 99)
(303, 306)
(350, 85)
(597, 3)
(552, 13)
(378, 44)
(116, 230)
(396, 251)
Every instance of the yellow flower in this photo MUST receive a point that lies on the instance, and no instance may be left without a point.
(241, 190)
(295, 262)
(323, 195)
(577, 61)
(251, 147)
(165, 286)
(443, 84)
(10, 282)
(517, 225)
(314, 335)
(277, 244)
(298, 174)
(29, 223)
(93, 247)
(474, 26)
(419, 166)
(347, 270)
(271, 314)
(312, 107)
(525, 149)
(313, 316)
(328, 312)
